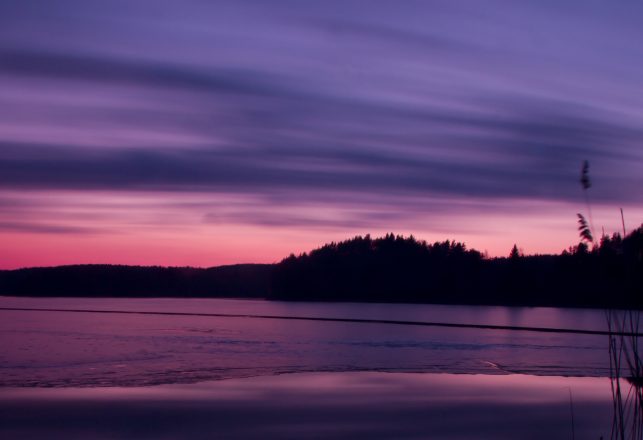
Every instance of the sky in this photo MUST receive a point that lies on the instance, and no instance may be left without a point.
(212, 132)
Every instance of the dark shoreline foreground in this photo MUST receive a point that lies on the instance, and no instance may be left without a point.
(364, 405)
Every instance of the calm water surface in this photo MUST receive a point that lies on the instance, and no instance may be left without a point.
(76, 375)
(61, 349)
(364, 405)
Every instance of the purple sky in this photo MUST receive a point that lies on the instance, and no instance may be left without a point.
(211, 132)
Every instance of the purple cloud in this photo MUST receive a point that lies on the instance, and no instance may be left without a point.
(500, 101)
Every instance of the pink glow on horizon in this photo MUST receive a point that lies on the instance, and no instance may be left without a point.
(126, 235)
(203, 230)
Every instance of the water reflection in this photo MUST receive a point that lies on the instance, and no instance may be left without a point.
(105, 352)
(519, 316)
(128, 350)
(322, 405)
(87, 349)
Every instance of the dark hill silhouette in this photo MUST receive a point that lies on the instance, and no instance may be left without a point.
(243, 280)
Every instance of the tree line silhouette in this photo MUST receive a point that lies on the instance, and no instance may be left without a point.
(403, 269)
(392, 268)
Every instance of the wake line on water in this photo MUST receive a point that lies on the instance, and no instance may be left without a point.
(350, 320)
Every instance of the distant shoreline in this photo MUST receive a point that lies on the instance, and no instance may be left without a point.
(245, 282)
(391, 269)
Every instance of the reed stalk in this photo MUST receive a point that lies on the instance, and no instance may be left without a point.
(626, 365)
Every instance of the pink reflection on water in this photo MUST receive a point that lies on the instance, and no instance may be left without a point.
(337, 405)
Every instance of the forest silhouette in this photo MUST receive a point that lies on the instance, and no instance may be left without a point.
(399, 269)
(392, 268)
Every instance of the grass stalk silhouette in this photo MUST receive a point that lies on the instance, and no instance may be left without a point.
(626, 376)
(586, 183)
(626, 365)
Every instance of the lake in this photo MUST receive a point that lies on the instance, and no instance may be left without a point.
(169, 376)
